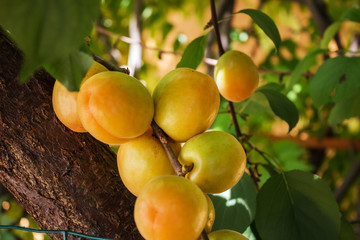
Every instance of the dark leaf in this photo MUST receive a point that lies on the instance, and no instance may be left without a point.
(281, 106)
(235, 208)
(70, 70)
(47, 30)
(297, 205)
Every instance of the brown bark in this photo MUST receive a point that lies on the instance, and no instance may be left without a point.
(64, 180)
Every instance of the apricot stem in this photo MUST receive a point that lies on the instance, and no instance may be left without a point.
(169, 152)
(108, 65)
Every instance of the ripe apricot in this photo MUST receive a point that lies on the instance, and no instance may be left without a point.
(226, 235)
(142, 159)
(64, 101)
(211, 216)
(114, 107)
(217, 159)
(186, 103)
(236, 76)
(170, 207)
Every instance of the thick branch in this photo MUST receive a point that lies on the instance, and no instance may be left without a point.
(64, 180)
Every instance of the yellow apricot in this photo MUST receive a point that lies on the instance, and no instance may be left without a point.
(211, 216)
(217, 159)
(170, 207)
(186, 103)
(114, 107)
(64, 101)
(226, 235)
(142, 159)
(236, 76)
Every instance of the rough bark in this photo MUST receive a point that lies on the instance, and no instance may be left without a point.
(64, 180)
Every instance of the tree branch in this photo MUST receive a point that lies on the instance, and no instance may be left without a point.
(350, 178)
(170, 153)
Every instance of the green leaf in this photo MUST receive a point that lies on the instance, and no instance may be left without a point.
(235, 208)
(345, 109)
(352, 14)
(70, 70)
(265, 23)
(297, 205)
(302, 66)
(281, 106)
(336, 79)
(329, 34)
(47, 30)
(193, 53)
(346, 230)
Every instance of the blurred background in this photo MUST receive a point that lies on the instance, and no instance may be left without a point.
(149, 37)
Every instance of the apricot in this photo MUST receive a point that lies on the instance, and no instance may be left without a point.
(236, 76)
(211, 216)
(170, 207)
(114, 107)
(186, 103)
(226, 235)
(64, 101)
(142, 159)
(216, 159)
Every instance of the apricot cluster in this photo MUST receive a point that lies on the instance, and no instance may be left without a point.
(117, 109)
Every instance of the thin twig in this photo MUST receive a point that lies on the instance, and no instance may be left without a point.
(170, 153)
(108, 65)
(133, 41)
(350, 178)
(208, 61)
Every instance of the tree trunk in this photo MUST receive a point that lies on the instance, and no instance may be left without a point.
(64, 180)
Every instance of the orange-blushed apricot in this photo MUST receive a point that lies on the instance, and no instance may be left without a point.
(142, 159)
(64, 101)
(170, 207)
(236, 76)
(114, 107)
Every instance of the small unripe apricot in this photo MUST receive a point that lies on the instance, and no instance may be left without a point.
(64, 101)
(114, 107)
(186, 103)
(142, 159)
(217, 159)
(226, 235)
(236, 76)
(171, 207)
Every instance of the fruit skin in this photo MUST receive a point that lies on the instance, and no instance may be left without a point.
(226, 235)
(114, 107)
(218, 161)
(211, 216)
(142, 159)
(170, 207)
(236, 76)
(186, 103)
(64, 101)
